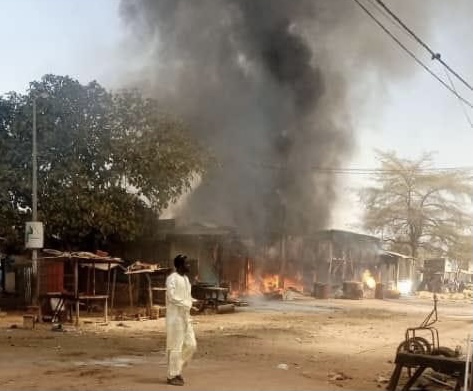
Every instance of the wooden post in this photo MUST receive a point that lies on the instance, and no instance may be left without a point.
(38, 289)
(397, 273)
(394, 378)
(89, 271)
(108, 279)
(113, 287)
(76, 289)
(108, 287)
(330, 257)
(93, 278)
(150, 294)
(106, 310)
(413, 378)
(130, 290)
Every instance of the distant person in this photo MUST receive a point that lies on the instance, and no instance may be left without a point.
(180, 338)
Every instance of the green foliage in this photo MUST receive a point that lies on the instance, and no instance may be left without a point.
(106, 161)
(416, 207)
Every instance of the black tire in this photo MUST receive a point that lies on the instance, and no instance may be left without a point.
(444, 351)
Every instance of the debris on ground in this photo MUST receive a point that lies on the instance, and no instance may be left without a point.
(238, 302)
(284, 367)
(333, 376)
(136, 316)
(382, 379)
(57, 327)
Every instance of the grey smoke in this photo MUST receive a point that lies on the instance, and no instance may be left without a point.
(264, 84)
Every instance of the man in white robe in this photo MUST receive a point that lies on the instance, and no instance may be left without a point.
(180, 338)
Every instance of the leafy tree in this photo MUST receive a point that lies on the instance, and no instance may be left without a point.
(14, 188)
(417, 207)
(107, 162)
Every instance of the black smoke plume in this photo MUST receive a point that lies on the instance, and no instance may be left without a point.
(262, 83)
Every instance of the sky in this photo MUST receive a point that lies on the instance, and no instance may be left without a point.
(85, 39)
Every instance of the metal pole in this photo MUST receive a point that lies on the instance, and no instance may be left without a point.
(467, 363)
(35, 168)
(34, 256)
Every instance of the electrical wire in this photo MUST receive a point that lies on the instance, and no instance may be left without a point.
(435, 55)
(363, 171)
(468, 119)
(412, 55)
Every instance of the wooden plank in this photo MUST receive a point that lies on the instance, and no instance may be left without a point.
(413, 379)
(394, 378)
(441, 364)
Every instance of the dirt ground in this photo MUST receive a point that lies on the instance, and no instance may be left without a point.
(324, 344)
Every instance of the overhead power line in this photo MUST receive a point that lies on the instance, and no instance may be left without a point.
(461, 103)
(411, 54)
(435, 55)
(361, 171)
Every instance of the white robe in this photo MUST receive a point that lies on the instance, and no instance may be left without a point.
(180, 338)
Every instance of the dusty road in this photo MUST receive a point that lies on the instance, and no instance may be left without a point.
(326, 345)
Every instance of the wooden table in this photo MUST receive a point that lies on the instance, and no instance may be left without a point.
(92, 297)
(210, 294)
(69, 300)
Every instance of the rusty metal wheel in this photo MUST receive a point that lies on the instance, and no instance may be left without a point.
(415, 345)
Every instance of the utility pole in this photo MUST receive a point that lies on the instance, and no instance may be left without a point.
(34, 234)
(34, 254)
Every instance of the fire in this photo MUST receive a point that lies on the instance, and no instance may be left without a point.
(271, 283)
(368, 279)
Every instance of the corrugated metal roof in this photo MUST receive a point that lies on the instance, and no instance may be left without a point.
(398, 255)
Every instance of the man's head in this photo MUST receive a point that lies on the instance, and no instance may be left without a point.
(182, 265)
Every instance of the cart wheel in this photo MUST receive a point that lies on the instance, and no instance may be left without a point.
(416, 345)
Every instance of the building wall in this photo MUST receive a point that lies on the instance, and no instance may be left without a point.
(342, 256)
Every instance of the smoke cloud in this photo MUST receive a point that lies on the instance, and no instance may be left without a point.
(264, 84)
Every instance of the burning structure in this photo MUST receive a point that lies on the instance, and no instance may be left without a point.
(217, 254)
(340, 256)
(398, 272)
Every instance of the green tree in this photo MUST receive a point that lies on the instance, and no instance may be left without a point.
(414, 206)
(108, 163)
(14, 191)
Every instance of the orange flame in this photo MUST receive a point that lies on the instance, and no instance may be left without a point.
(271, 283)
(368, 279)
